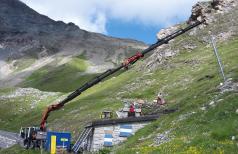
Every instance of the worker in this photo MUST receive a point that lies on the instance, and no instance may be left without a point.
(131, 110)
(34, 141)
(140, 102)
(159, 100)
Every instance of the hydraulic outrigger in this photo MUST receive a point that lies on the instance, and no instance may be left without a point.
(94, 81)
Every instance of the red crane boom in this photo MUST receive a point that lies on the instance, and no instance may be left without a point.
(125, 64)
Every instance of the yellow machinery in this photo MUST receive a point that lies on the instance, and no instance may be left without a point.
(106, 115)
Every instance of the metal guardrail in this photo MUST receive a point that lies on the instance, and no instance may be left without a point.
(81, 140)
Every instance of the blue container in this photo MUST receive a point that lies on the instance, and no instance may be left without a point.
(62, 140)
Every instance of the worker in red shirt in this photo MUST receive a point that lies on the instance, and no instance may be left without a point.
(131, 110)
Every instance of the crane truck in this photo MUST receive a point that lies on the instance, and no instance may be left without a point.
(32, 136)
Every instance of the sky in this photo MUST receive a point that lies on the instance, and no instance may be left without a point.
(135, 19)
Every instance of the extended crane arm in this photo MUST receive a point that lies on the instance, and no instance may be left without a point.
(109, 72)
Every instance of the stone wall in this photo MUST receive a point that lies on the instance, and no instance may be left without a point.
(100, 131)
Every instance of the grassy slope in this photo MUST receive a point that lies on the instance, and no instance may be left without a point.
(54, 78)
(183, 79)
(17, 112)
(208, 131)
(19, 150)
(22, 63)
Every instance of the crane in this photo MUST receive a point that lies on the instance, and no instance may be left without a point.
(27, 135)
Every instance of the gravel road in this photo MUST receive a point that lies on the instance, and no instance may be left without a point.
(8, 139)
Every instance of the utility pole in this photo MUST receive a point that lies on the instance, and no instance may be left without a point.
(218, 58)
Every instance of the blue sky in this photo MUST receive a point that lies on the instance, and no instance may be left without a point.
(135, 19)
(132, 30)
(136, 30)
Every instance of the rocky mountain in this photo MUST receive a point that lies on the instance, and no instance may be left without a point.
(184, 72)
(220, 22)
(24, 33)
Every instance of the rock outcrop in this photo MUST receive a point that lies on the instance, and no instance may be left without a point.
(166, 31)
(203, 10)
(221, 22)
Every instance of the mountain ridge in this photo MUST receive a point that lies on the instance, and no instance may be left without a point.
(184, 72)
(26, 34)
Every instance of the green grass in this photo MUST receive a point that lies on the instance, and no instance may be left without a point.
(185, 83)
(54, 78)
(19, 112)
(86, 107)
(207, 131)
(22, 63)
(19, 150)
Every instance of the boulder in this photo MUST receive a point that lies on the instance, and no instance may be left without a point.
(205, 10)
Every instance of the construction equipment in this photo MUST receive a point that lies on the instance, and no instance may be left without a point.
(28, 134)
(127, 62)
(106, 115)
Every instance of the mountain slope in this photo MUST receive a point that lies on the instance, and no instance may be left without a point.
(185, 71)
(206, 120)
(26, 32)
(33, 40)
